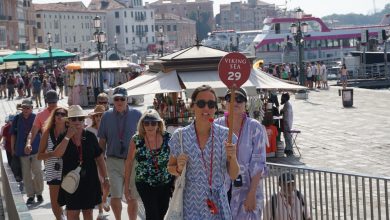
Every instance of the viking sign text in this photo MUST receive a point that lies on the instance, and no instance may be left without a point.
(234, 70)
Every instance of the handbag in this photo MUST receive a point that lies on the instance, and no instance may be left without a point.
(70, 182)
(175, 209)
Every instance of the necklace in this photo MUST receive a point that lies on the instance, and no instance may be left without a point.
(153, 152)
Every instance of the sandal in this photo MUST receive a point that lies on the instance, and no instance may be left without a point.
(106, 206)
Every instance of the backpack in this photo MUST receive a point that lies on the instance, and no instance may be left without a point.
(274, 204)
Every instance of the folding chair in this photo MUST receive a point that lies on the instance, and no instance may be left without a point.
(294, 135)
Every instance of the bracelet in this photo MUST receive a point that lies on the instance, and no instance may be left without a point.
(66, 138)
(106, 178)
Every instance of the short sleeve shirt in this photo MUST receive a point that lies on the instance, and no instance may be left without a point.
(117, 129)
(41, 118)
(21, 129)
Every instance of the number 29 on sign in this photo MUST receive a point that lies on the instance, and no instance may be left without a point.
(234, 76)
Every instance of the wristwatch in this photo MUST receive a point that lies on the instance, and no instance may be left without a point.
(106, 178)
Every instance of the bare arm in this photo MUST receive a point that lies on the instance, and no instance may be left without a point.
(128, 169)
(42, 154)
(102, 144)
(101, 164)
(32, 135)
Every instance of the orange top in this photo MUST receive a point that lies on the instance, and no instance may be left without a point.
(41, 118)
(272, 133)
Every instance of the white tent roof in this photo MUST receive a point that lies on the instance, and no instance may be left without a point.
(106, 64)
(5, 52)
(38, 51)
(152, 83)
(192, 80)
(263, 80)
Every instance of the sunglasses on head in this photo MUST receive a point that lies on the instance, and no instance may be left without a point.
(148, 123)
(238, 98)
(116, 99)
(77, 119)
(202, 103)
(62, 114)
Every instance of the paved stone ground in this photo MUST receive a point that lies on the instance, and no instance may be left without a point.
(353, 139)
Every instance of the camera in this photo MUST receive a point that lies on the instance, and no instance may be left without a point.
(238, 181)
(57, 166)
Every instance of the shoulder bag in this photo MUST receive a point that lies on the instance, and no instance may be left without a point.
(175, 209)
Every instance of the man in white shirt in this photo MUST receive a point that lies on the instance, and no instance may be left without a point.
(287, 112)
(324, 76)
(288, 203)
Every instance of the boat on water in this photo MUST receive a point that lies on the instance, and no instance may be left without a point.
(229, 40)
(277, 45)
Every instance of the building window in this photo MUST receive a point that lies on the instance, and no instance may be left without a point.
(56, 38)
(125, 14)
(38, 15)
(132, 28)
(74, 38)
(39, 25)
(147, 39)
(126, 29)
(174, 27)
(40, 39)
(66, 39)
(152, 39)
(152, 28)
(56, 24)
(117, 14)
(3, 37)
(146, 28)
(132, 14)
(127, 40)
(151, 14)
(118, 29)
(168, 27)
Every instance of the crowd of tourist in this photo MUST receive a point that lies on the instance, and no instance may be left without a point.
(124, 153)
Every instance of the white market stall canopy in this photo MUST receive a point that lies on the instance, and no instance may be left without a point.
(36, 51)
(6, 52)
(152, 83)
(106, 64)
(192, 80)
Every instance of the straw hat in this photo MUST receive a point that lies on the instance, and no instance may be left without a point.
(99, 109)
(76, 111)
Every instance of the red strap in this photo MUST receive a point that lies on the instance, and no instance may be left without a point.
(211, 158)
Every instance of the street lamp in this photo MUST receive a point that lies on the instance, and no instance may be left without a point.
(36, 46)
(116, 45)
(298, 30)
(100, 38)
(161, 39)
(50, 43)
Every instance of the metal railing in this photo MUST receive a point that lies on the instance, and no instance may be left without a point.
(333, 195)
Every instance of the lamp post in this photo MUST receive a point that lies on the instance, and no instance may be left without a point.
(50, 43)
(100, 38)
(36, 47)
(116, 45)
(298, 30)
(161, 39)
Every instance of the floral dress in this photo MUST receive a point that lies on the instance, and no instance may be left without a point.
(251, 157)
(196, 190)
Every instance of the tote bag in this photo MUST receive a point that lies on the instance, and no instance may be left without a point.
(175, 209)
(71, 181)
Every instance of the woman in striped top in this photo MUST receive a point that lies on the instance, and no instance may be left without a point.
(53, 133)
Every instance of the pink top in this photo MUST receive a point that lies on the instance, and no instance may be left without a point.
(41, 118)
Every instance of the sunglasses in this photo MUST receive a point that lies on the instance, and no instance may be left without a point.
(117, 99)
(26, 107)
(98, 116)
(202, 103)
(62, 114)
(239, 98)
(148, 123)
(102, 103)
(76, 119)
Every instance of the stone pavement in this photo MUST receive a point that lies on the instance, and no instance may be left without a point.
(353, 139)
(333, 137)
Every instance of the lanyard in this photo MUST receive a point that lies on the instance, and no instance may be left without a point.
(211, 157)
(153, 152)
(239, 135)
(121, 125)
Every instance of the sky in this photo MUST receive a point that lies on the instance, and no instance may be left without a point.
(318, 8)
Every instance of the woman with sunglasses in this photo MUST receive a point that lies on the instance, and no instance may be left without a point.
(246, 191)
(95, 117)
(80, 148)
(53, 133)
(207, 157)
(149, 146)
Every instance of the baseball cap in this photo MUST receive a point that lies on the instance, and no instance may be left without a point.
(286, 178)
(51, 96)
(120, 91)
(239, 91)
(27, 103)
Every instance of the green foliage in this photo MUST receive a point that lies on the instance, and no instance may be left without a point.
(358, 19)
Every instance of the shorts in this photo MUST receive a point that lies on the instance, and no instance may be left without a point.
(308, 78)
(54, 182)
(343, 78)
(116, 170)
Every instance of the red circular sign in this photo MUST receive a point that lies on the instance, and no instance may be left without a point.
(234, 69)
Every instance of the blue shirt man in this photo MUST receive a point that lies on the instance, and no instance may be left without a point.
(117, 126)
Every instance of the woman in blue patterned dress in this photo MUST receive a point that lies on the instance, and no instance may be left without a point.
(246, 191)
(208, 160)
(149, 146)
